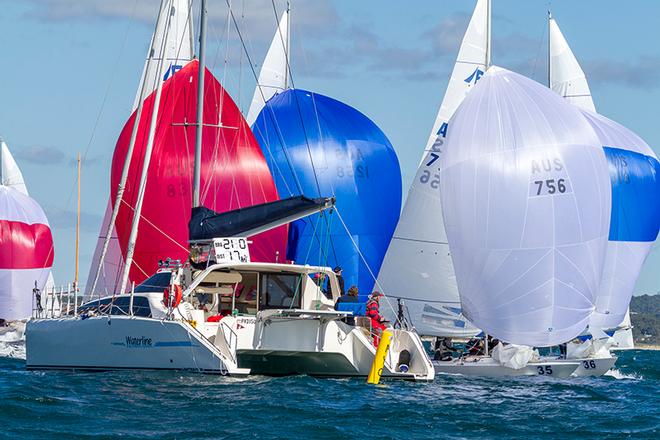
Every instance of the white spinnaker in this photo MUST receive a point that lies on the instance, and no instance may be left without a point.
(626, 250)
(274, 74)
(566, 75)
(16, 284)
(418, 266)
(526, 194)
(11, 176)
(179, 50)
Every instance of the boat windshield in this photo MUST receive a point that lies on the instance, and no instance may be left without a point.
(280, 290)
(155, 283)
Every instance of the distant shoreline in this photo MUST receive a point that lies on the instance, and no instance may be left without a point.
(647, 346)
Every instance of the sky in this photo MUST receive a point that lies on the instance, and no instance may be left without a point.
(72, 68)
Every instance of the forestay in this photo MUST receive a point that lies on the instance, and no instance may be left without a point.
(418, 266)
(525, 190)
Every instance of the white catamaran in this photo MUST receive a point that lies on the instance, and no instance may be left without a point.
(220, 312)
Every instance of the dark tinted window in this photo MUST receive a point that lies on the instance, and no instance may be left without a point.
(141, 306)
(155, 283)
(97, 306)
(121, 306)
(280, 291)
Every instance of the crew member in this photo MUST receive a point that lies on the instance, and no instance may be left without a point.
(373, 313)
(443, 349)
(352, 297)
(340, 279)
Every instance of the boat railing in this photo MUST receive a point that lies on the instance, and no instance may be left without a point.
(56, 301)
(232, 343)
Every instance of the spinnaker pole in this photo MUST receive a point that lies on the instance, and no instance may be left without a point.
(200, 105)
(129, 154)
(130, 250)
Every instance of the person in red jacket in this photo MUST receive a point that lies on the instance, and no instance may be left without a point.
(373, 313)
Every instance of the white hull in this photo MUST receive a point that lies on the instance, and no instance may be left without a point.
(592, 366)
(488, 367)
(102, 343)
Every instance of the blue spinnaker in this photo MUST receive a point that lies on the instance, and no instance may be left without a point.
(321, 147)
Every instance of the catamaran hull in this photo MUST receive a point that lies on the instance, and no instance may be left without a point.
(487, 367)
(117, 343)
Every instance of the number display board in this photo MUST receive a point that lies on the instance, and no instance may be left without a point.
(231, 250)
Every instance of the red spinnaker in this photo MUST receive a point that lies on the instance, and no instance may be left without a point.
(234, 172)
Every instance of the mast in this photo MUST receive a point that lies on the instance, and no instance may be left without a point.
(549, 47)
(75, 280)
(129, 152)
(200, 105)
(287, 45)
(145, 168)
(488, 25)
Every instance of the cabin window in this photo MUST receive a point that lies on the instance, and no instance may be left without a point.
(120, 306)
(280, 290)
(155, 283)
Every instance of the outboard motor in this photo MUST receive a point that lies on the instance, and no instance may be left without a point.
(404, 361)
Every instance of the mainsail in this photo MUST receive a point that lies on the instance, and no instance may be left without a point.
(318, 146)
(274, 74)
(565, 74)
(525, 186)
(418, 266)
(174, 24)
(234, 172)
(10, 173)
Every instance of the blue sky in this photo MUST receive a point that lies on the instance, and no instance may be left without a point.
(72, 67)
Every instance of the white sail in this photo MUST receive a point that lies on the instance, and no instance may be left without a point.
(12, 177)
(566, 75)
(635, 217)
(11, 174)
(526, 192)
(274, 74)
(179, 50)
(623, 338)
(418, 266)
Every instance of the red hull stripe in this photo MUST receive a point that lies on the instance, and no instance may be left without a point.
(24, 246)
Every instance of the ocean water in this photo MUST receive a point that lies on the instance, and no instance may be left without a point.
(623, 404)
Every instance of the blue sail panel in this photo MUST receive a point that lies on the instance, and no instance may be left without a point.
(635, 181)
(321, 147)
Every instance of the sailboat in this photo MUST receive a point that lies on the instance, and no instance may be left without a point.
(26, 250)
(173, 32)
(418, 267)
(525, 199)
(317, 145)
(219, 312)
(633, 166)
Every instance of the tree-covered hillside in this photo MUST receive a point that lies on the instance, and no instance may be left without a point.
(645, 317)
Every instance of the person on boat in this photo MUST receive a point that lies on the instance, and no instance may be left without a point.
(340, 279)
(444, 348)
(373, 313)
(351, 297)
(475, 347)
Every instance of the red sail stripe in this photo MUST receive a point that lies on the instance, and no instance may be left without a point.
(24, 246)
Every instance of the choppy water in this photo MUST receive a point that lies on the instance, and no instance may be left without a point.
(624, 404)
